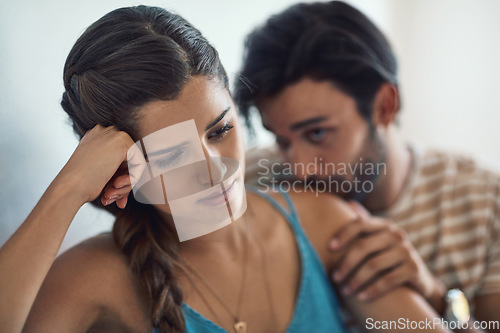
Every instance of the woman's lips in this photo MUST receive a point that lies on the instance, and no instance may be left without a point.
(220, 197)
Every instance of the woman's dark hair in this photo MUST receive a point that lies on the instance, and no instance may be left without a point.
(129, 57)
(329, 41)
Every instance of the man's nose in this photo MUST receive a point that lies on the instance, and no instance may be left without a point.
(303, 160)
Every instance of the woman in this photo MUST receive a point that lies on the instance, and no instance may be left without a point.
(132, 73)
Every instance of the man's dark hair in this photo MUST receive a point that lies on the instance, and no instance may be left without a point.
(329, 41)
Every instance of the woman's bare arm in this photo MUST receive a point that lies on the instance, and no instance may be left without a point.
(28, 255)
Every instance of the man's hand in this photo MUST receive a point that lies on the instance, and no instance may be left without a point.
(380, 258)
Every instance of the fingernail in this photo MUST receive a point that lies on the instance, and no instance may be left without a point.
(337, 276)
(346, 290)
(356, 207)
(114, 197)
(334, 243)
(363, 296)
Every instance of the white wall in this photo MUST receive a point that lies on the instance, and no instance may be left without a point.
(447, 101)
(449, 52)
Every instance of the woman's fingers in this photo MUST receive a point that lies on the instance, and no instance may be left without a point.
(100, 155)
(118, 187)
(122, 202)
(121, 181)
(112, 194)
(128, 175)
(136, 164)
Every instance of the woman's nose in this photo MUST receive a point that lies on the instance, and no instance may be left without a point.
(214, 173)
(217, 169)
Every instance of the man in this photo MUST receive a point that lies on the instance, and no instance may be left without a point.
(324, 80)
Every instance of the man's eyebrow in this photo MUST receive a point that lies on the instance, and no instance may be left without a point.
(213, 123)
(167, 150)
(303, 123)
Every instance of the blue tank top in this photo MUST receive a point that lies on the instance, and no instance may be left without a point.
(316, 309)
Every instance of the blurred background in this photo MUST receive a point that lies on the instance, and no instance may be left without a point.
(448, 53)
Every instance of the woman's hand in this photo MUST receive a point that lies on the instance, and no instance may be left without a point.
(98, 163)
(99, 166)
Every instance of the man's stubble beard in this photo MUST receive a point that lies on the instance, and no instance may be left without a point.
(374, 153)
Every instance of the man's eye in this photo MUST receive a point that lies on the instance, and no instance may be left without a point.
(221, 132)
(316, 135)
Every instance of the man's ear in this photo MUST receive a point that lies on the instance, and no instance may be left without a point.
(385, 105)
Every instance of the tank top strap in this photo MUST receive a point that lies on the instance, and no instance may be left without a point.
(289, 212)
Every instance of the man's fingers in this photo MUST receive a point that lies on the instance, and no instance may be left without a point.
(359, 209)
(353, 230)
(373, 270)
(385, 284)
(362, 249)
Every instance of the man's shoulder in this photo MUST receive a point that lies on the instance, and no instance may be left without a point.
(432, 157)
(459, 168)
(446, 180)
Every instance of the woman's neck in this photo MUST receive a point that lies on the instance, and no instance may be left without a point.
(227, 240)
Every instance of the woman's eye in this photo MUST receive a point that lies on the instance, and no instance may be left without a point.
(220, 133)
(316, 135)
(169, 161)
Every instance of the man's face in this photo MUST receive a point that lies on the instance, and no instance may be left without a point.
(316, 123)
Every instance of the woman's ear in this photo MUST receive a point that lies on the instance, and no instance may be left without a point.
(385, 105)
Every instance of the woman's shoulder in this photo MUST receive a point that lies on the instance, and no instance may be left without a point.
(90, 283)
(321, 216)
(99, 267)
(98, 252)
(94, 259)
(312, 208)
(315, 207)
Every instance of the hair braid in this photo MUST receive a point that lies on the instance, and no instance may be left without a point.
(129, 57)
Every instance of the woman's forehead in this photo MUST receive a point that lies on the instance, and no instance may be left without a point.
(202, 100)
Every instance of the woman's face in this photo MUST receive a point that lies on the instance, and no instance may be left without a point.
(192, 144)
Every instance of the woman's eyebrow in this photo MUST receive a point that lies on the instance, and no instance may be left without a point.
(213, 123)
